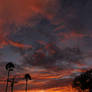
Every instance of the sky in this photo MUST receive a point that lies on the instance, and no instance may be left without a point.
(49, 39)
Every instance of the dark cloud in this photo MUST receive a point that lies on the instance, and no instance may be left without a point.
(54, 57)
(74, 3)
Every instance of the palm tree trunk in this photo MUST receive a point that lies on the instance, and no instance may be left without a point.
(26, 86)
(12, 89)
(12, 85)
(7, 82)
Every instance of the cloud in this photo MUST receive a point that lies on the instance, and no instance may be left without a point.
(32, 12)
(53, 58)
(20, 45)
(19, 14)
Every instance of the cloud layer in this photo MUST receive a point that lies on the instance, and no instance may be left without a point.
(49, 39)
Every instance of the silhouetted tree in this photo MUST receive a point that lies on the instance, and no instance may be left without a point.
(27, 77)
(84, 81)
(9, 67)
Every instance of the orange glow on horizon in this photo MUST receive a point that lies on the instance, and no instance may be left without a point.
(60, 89)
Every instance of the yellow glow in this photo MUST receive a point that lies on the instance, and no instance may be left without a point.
(60, 89)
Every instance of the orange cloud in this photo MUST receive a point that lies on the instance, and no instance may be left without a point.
(58, 89)
(19, 12)
(15, 44)
(20, 45)
(72, 35)
(60, 28)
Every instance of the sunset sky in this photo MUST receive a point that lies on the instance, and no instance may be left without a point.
(49, 39)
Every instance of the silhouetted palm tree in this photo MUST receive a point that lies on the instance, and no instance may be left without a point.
(9, 67)
(27, 77)
(84, 81)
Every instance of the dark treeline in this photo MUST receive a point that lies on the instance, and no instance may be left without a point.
(84, 81)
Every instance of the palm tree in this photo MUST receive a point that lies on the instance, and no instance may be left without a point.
(9, 67)
(27, 77)
(84, 81)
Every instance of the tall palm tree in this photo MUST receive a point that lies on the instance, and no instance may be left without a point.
(27, 77)
(84, 81)
(9, 67)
